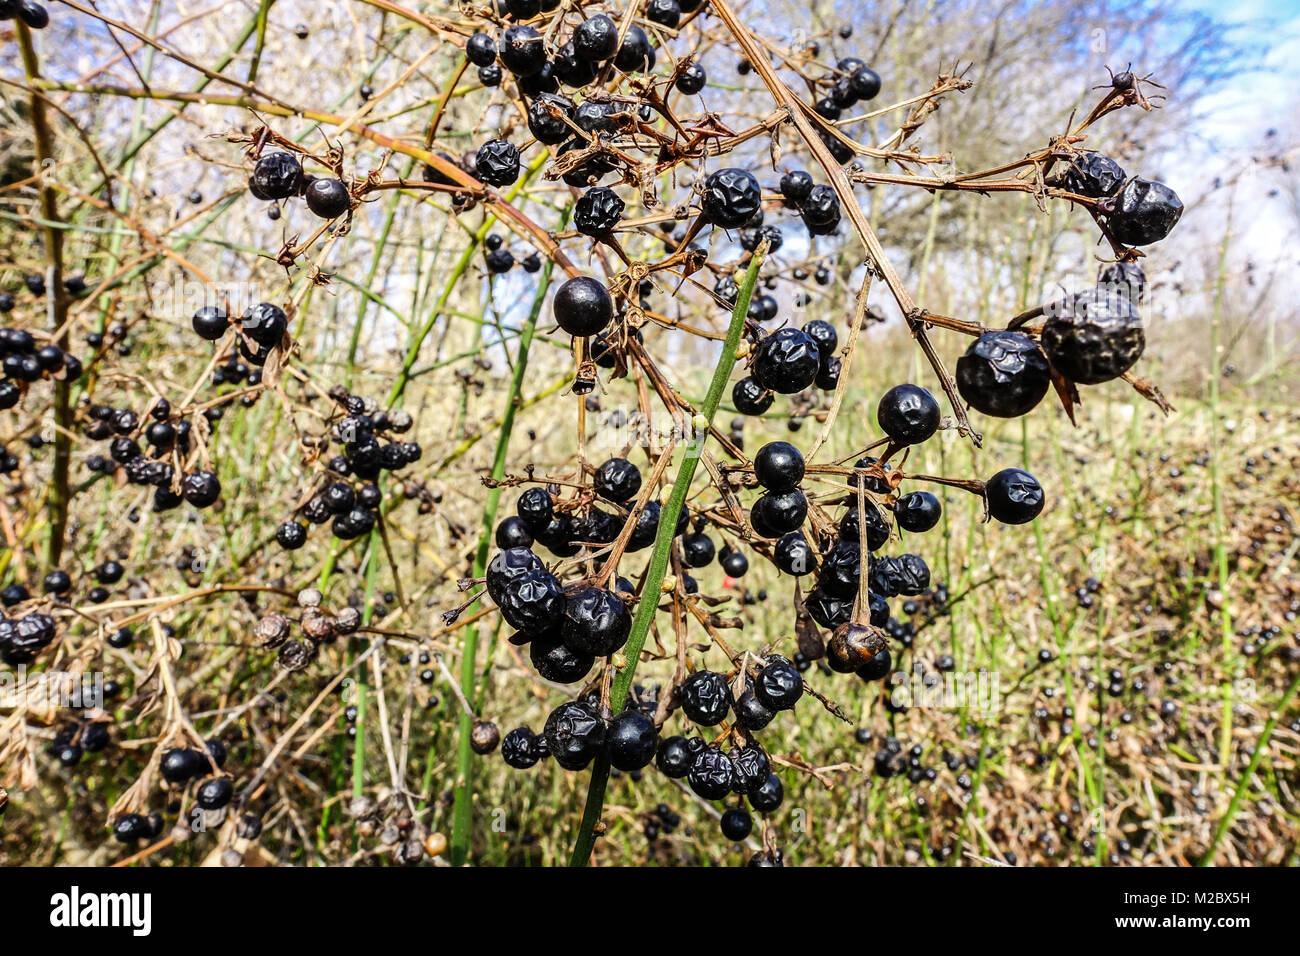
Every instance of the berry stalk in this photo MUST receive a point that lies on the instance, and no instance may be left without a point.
(658, 566)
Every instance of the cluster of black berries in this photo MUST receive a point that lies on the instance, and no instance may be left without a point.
(26, 361)
(499, 259)
(29, 11)
(818, 205)
(124, 429)
(273, 631)
(262, 328)
(349, 498)
(279, 175)
(76, 738)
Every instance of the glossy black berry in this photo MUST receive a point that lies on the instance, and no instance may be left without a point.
(508, 566)
(821, 210)
(827, 610)
(631, 740)
(481, 50)
(497, 162)
(692, 79)
(595, 621)
(522, 51)
(1004, 374)
(201, 488)
(1093, 175)
(291, 535)
(878, 667)
(786, 361)
(730, 198)
(711, 775)
(664, 12)
(595, 39)
(824, 335)
(328, 197)
(513, 533)
(779, 466)
(214, 793)
(778, 512)
(917, 511)
(558, 662)
(491, 75)
(58, 582)
(181, 764)
(636, 55)
(276, 176)
(908, 414)
(675, 757)
(598, 211)
(535, 508)
(779, 684)
(210, 322)
(617, 480)
(519, 748)
(750, 768)
(1144, 212)
(547, 116)
(583, 306)
(734, 563)
(706, 697)
(265, 324)
(750, 398)
(736, 824)
(1093, 337)
(865, 83)
(796, 185)
(574, 734)
(752, 713)
(1014, 496)
(793, 555)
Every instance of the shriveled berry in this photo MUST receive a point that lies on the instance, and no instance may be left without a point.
(276, 175)
(1014, 496)
(786, 361)
(1144, 212)
(731, 197)
(1004, 374)
(595, 39)
(675, 757)
(598, 211)
(1094, 175)
(711, 775)
(617, 480)
(595, 621)
(522, 51)
(706, 698)
(1093, 337)
(779, 684)
(574, 734)
(908, 414)
(497, 162)
(556, 661)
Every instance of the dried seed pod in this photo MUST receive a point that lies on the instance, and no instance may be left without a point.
(271, 630)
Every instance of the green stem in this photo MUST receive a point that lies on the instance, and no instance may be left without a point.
(462, 806)
(1260, 746)
(654, 576)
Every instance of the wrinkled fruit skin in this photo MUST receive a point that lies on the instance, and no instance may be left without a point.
(1094, 337)
(749, 767)
(1144, 212)
(277, 176)
(1014, 496)
(779, 685)
(522, 51)
(731, 197)
(595, 621)
(617, 480)
(706, 698)
(908, 414)
(574, 734)
(532, 601)
(1094, 175)
(506, 567)
(711, 775)
(1003, 374)
(598, 211)
(786, 361)
(497, 162)
(556, 661)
